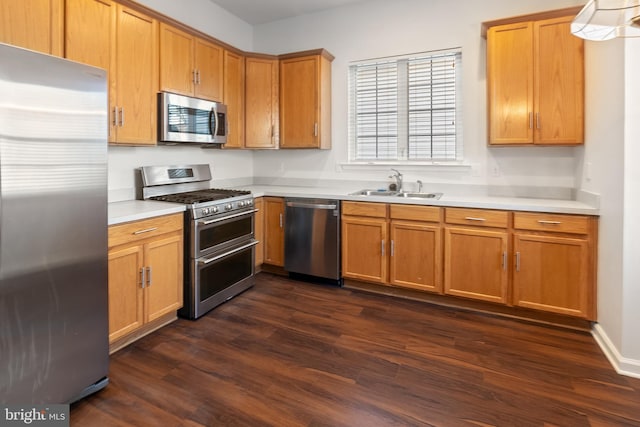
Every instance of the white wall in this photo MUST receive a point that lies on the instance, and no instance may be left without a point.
(229, 167)
(382, 28)
(612, 150)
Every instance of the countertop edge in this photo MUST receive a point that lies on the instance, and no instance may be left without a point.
(477, 202)
(135, 210)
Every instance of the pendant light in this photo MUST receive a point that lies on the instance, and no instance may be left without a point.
(607, 19)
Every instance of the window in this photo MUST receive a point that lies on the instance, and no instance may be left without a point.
(405, 108)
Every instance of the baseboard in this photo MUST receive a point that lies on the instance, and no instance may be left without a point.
(622, 365)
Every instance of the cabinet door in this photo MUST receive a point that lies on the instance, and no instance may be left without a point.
(234, 98)
(136, 78)
(164, 290)
(475, 264)
(364, 249)
(259, 232)
(33, 24)
(559, 83)
(299, 102)
(209, 64)
(125, 291)
(274, 231)
(416, 256)
(177, 72)
(90, 37)
(510, 83)
(551, 274)
(261, 103)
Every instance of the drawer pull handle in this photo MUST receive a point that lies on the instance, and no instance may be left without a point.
(473, 218)
(517, 261)
(146, 230)
(543, 222)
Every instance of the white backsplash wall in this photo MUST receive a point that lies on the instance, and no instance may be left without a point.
(228, 167)
(379, 28)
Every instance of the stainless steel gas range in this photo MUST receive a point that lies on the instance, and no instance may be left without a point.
(219, 233)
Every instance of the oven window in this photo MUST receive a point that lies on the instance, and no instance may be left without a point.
(225, 272)
(224, 232)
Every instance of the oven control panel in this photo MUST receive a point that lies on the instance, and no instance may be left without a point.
(225, 207)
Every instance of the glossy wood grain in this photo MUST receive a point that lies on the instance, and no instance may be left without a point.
(286, 353)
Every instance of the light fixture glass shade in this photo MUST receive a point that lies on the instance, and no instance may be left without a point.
(607, 19)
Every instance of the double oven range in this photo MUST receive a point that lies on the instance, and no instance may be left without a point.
(219, 233)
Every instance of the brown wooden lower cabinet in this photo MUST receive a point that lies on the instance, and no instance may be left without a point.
(398, 245)
(544, 262)
(274, 231)
(145, 277)
(258, 231)
(554, 268)
(476, 264)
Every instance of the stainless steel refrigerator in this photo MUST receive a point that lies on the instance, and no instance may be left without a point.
(53, 229)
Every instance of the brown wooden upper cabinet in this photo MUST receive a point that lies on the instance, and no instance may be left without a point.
(123, 41)
(190, 65)
(33, 24)
(234, 98)
(535, 78)
(261, 106)
(305, 100)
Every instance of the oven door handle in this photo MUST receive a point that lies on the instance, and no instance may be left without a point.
(212, 221)
(241, 248)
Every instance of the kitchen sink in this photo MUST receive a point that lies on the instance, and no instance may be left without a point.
(374, 193)
(435, 196)
(405, 194)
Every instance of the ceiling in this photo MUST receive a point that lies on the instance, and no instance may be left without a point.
(257, 12)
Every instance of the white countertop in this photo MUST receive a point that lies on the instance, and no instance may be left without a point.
(484, 202)
(133, 210)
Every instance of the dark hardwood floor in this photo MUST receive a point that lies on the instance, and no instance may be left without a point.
(287, 353)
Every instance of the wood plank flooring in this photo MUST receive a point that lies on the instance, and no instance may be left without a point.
(287, 353)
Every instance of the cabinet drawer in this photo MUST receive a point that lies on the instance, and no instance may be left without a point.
(477, 217)
(551, 222)
(377, 210)
(143, 229)
(415, 213)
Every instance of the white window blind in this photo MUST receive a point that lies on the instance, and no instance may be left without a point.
(405, 108)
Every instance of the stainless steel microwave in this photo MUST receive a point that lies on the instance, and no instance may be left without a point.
(184, 119)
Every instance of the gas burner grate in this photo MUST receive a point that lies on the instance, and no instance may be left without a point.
(201, 196)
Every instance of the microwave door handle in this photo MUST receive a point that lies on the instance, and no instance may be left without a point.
(214, 114)
(212, 122)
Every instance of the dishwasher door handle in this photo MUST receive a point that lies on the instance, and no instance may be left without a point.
(311, 206)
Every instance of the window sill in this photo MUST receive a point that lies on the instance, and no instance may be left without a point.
(443, 166)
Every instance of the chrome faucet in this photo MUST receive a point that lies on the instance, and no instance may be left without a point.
(419, 186)
(398, 176)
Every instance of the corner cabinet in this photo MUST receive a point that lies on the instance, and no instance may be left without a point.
(145, 277)
(190, 65)
(305, 100)
(124, 42)
(33, 24)
(261, 102)
(535, 83)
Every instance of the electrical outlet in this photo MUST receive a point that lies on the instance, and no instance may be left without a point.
(587, 171)
(495, 170)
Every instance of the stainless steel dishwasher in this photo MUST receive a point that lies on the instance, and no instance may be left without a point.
(312, 238)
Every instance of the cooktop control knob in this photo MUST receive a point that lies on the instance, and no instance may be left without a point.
(241, 204)
(228, 207)
(215, 209)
